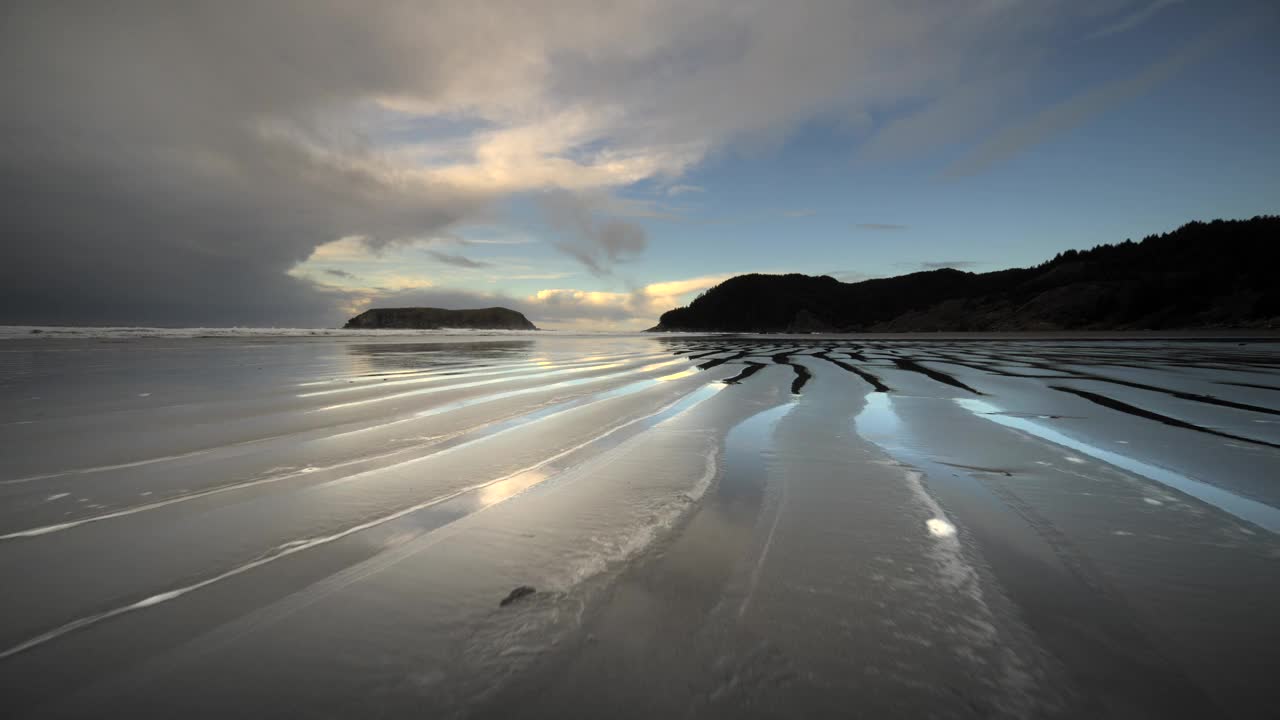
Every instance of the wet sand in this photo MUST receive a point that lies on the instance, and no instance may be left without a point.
(715, 526)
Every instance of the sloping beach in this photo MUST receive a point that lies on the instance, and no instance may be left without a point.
(717, 526)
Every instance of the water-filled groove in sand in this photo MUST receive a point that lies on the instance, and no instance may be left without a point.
(1113, 404)
(913, 366)
(872, 379)
(802, 372)
(720, 361)
(751, 369)
(1255, 386)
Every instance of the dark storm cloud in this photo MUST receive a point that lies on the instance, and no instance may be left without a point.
(157, 167)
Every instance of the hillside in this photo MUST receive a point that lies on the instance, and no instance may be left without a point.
(424, 318)
(1202, 275)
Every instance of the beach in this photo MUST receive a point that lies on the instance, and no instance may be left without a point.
(327, 525)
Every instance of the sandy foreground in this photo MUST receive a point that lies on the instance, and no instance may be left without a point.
(736, 527)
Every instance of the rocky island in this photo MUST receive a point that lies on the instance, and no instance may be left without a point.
(1219, 274)
(425, 318)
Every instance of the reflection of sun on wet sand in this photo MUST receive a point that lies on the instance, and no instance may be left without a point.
(717, 526)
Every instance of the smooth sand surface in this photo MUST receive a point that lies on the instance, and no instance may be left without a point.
(775, 526)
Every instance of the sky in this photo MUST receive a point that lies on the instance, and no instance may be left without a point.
(292, 163)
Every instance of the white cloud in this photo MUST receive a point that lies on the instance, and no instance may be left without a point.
(581, 96)
(677, 288)
(535, 156)
(352, 248)
(640, 308)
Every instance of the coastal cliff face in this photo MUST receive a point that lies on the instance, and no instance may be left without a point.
(1203, 275)
(423, 318)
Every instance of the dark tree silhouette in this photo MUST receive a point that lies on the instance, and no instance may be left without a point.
(1215, 274)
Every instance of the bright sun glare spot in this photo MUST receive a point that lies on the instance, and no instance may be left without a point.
(677, 376)
(940, 528)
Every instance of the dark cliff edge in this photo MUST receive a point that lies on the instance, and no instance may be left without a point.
(422, 318)
(1220, 274)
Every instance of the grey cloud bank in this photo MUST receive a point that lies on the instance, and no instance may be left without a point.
(590, 235)
(169, 163)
